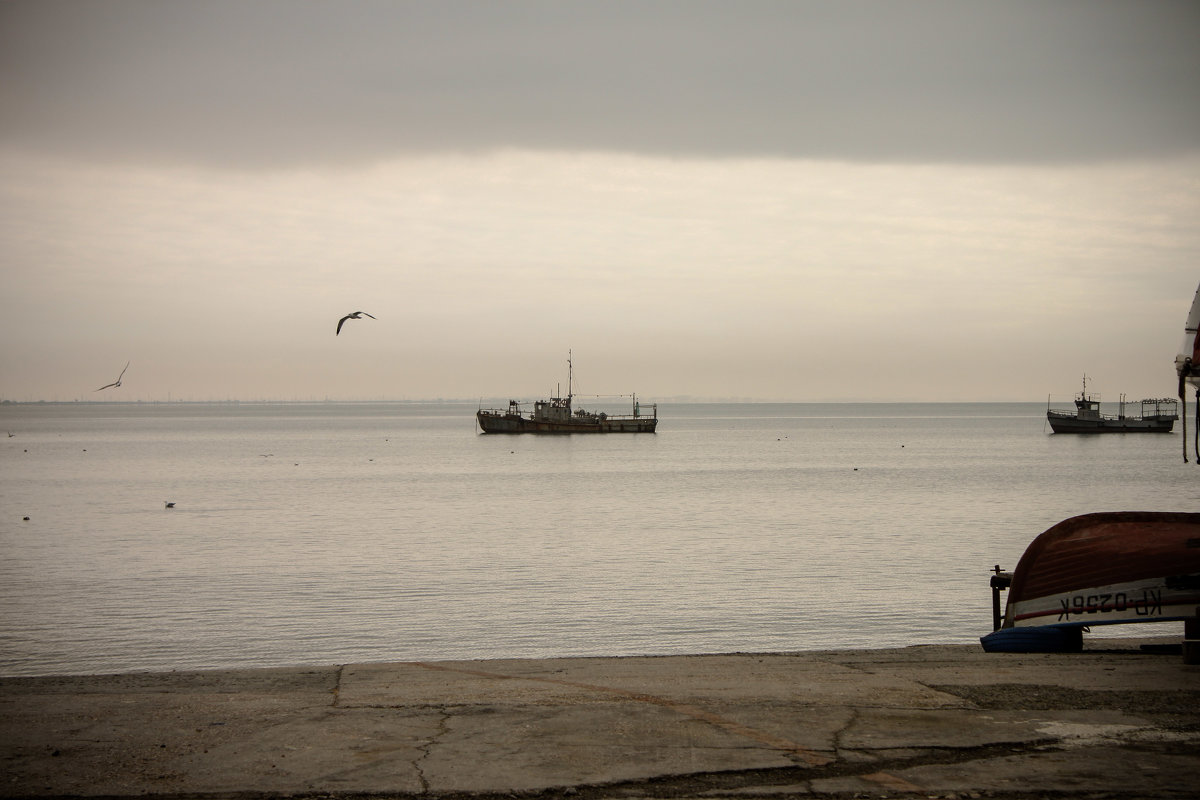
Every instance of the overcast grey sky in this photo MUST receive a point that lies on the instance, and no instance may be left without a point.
(779, 200)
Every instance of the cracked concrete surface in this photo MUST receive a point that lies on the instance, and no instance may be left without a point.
(922, 721)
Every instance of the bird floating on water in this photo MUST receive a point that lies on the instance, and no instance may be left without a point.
(355, 315)
(169, 504)
(117, 382)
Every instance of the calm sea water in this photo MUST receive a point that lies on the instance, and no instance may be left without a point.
(336, 533)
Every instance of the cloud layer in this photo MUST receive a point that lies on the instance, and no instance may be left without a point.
(272, 83)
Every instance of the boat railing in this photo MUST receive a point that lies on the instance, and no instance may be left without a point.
(639, 411)
(1150, 407)
(610, 416)
(1057, 412)
(514, 407)
(1160, 407)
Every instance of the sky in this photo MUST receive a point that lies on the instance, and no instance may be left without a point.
(863, 200)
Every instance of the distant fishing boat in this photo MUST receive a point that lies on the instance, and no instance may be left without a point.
(557, 415)
(1098, 569)
(1157, 415)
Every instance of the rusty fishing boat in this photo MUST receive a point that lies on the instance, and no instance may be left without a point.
(557, 415)
(1157, 415)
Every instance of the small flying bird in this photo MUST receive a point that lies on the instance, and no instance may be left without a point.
(117, 382)
(355, 315)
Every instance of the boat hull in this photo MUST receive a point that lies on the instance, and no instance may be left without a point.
(512, 423)
(1100, 569)
(1069, 423)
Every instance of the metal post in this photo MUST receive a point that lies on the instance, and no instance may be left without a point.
(1191, 639)
(1000, 581)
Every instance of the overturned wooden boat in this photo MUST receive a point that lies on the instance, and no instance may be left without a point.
(1098, 569)
(556, 415)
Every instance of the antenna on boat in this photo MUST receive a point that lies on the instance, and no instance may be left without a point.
(569, 368)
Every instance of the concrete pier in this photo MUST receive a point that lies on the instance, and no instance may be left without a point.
(930, 721)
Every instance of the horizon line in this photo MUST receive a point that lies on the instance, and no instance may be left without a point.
(683, 399)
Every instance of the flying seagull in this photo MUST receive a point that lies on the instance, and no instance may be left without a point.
(355, 315)
(117, 382)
